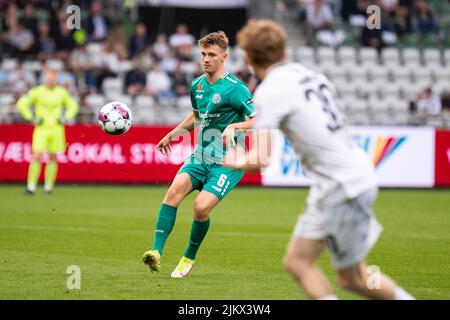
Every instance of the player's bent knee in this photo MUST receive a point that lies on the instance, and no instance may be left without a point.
(294, 264)
(201, 211)
(174, 196)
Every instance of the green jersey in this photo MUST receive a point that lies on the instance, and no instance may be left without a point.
(48, 105)
(219, 104)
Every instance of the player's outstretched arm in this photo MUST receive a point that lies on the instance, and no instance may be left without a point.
(188, 124)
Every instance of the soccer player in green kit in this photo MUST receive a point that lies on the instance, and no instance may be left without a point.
(224, 107)
(49, 100)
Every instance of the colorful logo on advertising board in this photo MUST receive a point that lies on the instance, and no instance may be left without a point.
(379, 149)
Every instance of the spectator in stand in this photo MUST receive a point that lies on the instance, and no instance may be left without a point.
(423, 19)
(183, 42)
(109, 61)
(11, 17)
(389, 6)
(65, 43)
(139, 41)
(135, 80)
(248, 78)
(97, 24)
(19, 42)
(319, 17)
(301, 9)
(428, 104)
(180, 82)
(29, 20)
(169, 63)
(446, 101)
(79, 62)
(45, 45)
(20, 81)
(403, 13)
(161, 47)
(158, 83)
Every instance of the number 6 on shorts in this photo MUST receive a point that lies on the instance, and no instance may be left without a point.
(222, 180)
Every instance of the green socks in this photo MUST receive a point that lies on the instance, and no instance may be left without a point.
(34, 171)
(164, 225)
(199, 229)
(51, 169)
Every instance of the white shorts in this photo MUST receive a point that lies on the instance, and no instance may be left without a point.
(350, 228)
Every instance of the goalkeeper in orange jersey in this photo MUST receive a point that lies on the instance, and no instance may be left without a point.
(48, 117)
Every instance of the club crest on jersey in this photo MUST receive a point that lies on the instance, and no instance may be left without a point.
(216, 98)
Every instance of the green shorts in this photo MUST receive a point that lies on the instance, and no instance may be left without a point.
(211, 177)
(51, 139)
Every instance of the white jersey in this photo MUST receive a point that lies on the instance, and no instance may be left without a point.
(303, 104)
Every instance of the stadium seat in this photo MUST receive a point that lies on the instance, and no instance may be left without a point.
(379, 72)
(94, 48)
(358, 118)
(347, 55)
(400, 72)
(390, 56)
(437, 122)
(145, 115)
(188, 67)
(184, 103)
(441, 86)
(125, 99)
(290, 54)
(392, 89)
(32, 65)
(345, 88)
(424, 73)
(378, 105)
(306, 55)
(447, 57)
(367, 67)
(95, 101)
(144, 109)
(331, 69)
(112, 85)
(9, 64)
(411, 56)
(432, 56)
(367, 55)
(326, 54)
(144, 101)
(440, 73)
(55, 64)
(6, 101)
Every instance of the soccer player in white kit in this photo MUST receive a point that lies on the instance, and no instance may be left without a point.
(303, 105)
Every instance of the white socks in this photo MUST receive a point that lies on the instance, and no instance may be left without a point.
(401, 294)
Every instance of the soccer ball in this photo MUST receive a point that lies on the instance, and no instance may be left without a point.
(115, 118)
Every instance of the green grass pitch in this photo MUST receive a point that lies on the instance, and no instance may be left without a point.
(104, 230)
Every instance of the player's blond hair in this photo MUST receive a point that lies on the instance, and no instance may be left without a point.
(218, 38)
(264, 41)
